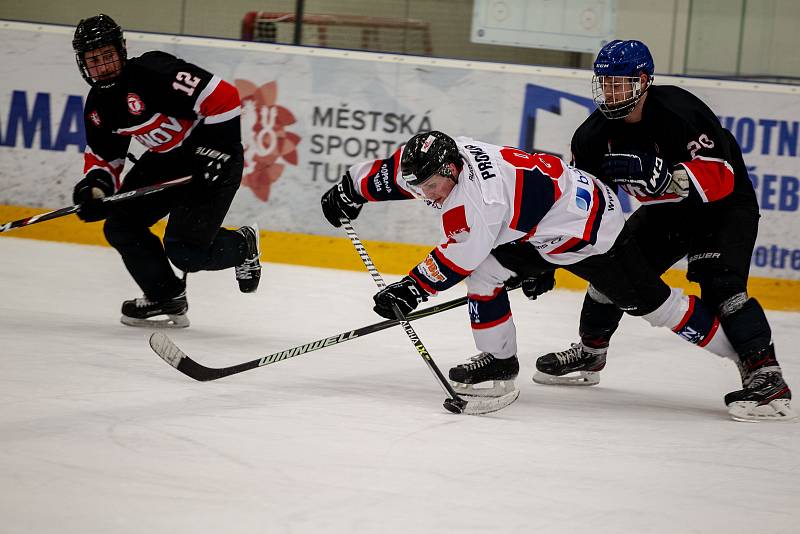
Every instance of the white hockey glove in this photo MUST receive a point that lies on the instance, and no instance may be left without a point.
(680, 183)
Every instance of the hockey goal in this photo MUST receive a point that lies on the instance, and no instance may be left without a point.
(374, 34)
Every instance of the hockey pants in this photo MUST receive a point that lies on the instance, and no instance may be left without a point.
(624, 277)
(193, 239)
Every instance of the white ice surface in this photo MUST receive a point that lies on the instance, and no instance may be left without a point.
(98, 435)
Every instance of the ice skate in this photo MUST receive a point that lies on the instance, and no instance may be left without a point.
(146, 313)
(579, 365)
(486, 376)
(248, 273)
(765, 396)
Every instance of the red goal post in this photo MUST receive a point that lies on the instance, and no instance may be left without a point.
(353, 32)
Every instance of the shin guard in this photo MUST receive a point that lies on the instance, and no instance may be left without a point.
(691, 319)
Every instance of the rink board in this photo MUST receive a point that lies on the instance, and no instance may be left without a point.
(304, 123)
(338, 253)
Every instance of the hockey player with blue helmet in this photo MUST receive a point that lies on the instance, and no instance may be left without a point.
(665, 147)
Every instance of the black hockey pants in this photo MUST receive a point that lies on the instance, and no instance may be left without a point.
(193, 240)
(718, 239)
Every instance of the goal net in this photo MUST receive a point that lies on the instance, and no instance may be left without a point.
(375, 34)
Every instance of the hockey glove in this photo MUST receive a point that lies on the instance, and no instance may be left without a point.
(406, 293)
(89, 193)
(342, 200)
(212, 166)
(533, 286)
(639, 171)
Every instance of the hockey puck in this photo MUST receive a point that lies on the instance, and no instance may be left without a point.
(454, 405)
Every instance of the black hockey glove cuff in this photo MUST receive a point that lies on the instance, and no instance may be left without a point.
(533, 286)
(89, 192)
(406, 293)
(342, 200)
(638, 172)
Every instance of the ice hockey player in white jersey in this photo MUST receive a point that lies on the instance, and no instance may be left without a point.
(508, 216)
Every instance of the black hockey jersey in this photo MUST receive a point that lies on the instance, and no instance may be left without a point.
(682, 130)
(161, 101)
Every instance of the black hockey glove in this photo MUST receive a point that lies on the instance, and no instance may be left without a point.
(342, 200)
(406, 293)
(89, 193)
(212, 166)
(640, 171)
(533, 286)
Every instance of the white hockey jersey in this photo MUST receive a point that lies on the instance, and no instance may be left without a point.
(504, 195)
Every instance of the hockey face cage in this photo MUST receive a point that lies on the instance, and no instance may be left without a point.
(616, 96)
(92, 35)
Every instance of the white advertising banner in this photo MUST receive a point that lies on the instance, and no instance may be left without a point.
(309, 113)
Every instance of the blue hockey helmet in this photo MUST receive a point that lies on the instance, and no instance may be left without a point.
(616, 85)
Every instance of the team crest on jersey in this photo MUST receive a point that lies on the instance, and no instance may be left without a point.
(268, 146)
(454, 222)
(135, 104)
(94, 116)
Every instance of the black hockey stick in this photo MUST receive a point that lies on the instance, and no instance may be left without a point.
(50, 215)
(173, 355)
(454, 403)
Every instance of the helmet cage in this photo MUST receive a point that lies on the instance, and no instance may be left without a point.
(616, 85)
(616, 96)
(95, 33)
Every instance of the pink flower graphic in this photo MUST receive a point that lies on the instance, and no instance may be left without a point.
(268, 147)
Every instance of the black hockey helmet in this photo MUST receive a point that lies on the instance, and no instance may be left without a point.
(93, 33)
(426, 154)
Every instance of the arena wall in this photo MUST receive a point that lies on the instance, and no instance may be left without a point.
(309, 113)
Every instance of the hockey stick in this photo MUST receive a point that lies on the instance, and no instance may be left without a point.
(454, 403)
(173, 355)
(50, 215)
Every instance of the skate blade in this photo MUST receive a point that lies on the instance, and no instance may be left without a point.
(583, 378)
(493, 388)
(479, 405)
(171, 321)
(779, 410)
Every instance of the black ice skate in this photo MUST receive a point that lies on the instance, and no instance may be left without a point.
(248, 274)
(483, 368)
(765, 396)
(144, 312)
(579, 365)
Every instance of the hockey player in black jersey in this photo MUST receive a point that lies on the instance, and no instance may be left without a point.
(665, 147)
(189, 122)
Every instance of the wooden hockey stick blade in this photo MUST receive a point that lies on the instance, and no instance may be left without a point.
(173, 355)
(55, 214)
